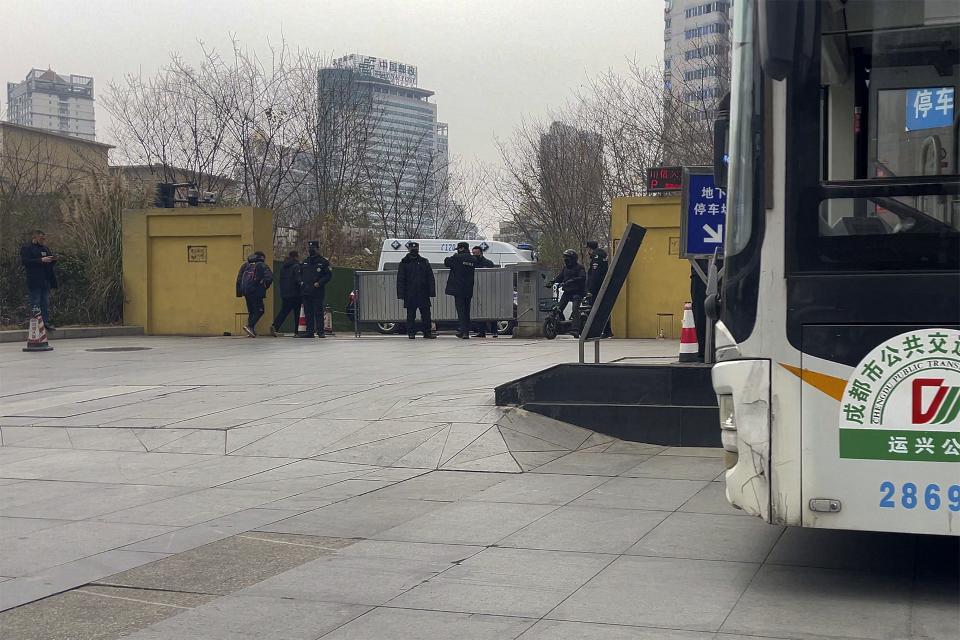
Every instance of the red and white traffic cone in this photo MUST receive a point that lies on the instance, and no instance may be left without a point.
(302, 322)
(688, 336)
(37, 335)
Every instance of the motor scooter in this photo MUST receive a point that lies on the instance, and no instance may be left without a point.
(555, 323)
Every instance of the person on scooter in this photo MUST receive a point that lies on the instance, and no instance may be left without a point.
(573, 279)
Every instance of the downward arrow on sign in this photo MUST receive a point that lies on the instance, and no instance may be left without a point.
(714, 236)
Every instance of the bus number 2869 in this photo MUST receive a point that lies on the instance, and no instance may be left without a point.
(911, 496)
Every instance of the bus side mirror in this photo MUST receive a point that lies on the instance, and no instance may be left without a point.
(786, 30)
(721, 135)
(778, 23)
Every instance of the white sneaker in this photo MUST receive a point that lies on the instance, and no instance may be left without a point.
(249, 331)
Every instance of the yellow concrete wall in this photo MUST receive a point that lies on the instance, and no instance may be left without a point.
(169, 295)
(659, 281)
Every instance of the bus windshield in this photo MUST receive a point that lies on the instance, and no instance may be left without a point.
(888, 145)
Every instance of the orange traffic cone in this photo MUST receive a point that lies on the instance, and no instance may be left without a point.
(302, 322)
(688, 336)
(37, 335)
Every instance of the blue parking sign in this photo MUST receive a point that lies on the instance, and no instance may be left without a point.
(929, 108)
(703, 214)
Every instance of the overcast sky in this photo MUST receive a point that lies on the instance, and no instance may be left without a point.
(490, 62)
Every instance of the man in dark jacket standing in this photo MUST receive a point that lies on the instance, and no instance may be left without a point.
(253, 280)
(415, 286)
(596, 272)
(596, 268)
(38, 261)
(460, 285)
(484, 263)
(289, 292)
(573, 279)
(315, 273)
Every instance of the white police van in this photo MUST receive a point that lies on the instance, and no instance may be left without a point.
(502, 254)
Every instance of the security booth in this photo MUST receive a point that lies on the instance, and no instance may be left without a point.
(180, 268)
(534, 300)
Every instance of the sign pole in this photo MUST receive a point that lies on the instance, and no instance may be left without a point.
(703, 212)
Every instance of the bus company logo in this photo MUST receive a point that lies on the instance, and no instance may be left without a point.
(902, 401)
(943, 408)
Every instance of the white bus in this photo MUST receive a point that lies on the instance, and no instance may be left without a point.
(838, 350)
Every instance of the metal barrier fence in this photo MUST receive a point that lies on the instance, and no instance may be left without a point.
(377, 296)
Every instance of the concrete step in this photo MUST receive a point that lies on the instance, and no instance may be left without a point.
(676, 426)
(71, 333)
(613, 383)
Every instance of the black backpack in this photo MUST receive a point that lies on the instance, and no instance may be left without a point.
(250, 278)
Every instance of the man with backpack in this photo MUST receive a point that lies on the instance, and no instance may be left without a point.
(315, 273)
(253, 280)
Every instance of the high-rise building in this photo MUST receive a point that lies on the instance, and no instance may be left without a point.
(696, 51)
(405, 152)
(50, 101)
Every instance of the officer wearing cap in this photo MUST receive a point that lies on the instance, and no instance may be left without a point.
(484, 263)
(462, 266)
(315, 273)
(415, 286)
(596, 272)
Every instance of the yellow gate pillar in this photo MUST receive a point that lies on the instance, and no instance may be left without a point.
(659, 282)
(180, 268)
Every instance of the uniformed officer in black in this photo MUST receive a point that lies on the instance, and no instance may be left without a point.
(596, 273)
(415, 286)
(572, 278)
(460, 285)
(315, 273)
(484, 263)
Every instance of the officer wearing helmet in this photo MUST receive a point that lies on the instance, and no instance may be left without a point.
(573, 279)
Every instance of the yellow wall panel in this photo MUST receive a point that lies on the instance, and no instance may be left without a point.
(659, 281)
(180, 268)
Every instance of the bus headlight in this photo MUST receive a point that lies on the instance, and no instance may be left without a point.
(728, 429)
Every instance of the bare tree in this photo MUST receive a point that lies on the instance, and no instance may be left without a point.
(40, 174)
(233, 116)
(460, 200)
(339, 123)
(169, 127)
(552, 186)
(402, 179)
(263, 127)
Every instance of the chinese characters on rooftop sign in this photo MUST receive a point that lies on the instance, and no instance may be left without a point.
(397, 73)
(929, 108)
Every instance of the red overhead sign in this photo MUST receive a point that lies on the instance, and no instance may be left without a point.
(662, 179)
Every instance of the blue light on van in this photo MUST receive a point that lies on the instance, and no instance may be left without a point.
(524, 245)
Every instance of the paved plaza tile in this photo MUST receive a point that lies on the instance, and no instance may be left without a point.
(508, 582)
(161, 495)
(671, 593)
